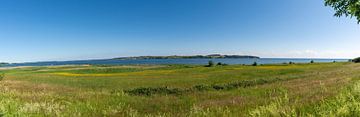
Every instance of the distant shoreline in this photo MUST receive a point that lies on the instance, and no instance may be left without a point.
(211, 56)
(199, 61)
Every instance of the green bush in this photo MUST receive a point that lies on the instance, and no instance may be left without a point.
(254, 64)
(153, 91)
(356, 60)
(201, 87)
(210, 64)
(218, 87)
(221, 64)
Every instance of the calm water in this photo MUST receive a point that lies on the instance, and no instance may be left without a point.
(177, 61)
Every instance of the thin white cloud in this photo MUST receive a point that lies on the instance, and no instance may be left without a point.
(305, 54)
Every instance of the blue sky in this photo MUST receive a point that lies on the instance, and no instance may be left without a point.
(42, 30)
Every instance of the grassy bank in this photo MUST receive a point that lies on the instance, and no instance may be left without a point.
(180, 90)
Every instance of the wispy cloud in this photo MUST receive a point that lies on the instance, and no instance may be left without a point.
(305, 54)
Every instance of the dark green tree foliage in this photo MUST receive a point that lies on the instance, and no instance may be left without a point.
(254, 64)
(345, 8)
(356, 60)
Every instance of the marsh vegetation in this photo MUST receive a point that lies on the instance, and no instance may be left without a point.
(317, 89)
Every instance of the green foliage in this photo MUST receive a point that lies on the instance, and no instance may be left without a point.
(345, 8)
(210, 64)
(221, 64)
(153, 91)
(254, 64)
(356, 60)
(201, 87)
(312, 61)
(149, 91)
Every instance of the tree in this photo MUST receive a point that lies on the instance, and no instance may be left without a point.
(356, 60)
(210, 64)
(254, 64)
(345, 8)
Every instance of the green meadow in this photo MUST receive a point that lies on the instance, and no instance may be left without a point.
(318, 89)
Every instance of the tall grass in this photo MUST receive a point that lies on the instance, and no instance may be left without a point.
(12, 105)
(2, 76)
(346, 104)
(193, 91)
(280, 107)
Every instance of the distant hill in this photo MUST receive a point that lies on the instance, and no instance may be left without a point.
(2, 64)
(211, 56)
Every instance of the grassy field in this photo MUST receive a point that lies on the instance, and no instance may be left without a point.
(320, 89)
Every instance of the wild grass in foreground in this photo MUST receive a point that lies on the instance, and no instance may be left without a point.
(345, 104)
(320, 89)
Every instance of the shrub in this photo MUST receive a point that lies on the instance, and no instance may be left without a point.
(356, 60)
(210, 64)
(312, 61)
(154, 91)
(149, 91)
(218, 87)
(201, 87)
(254, 64)
(221, 64)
